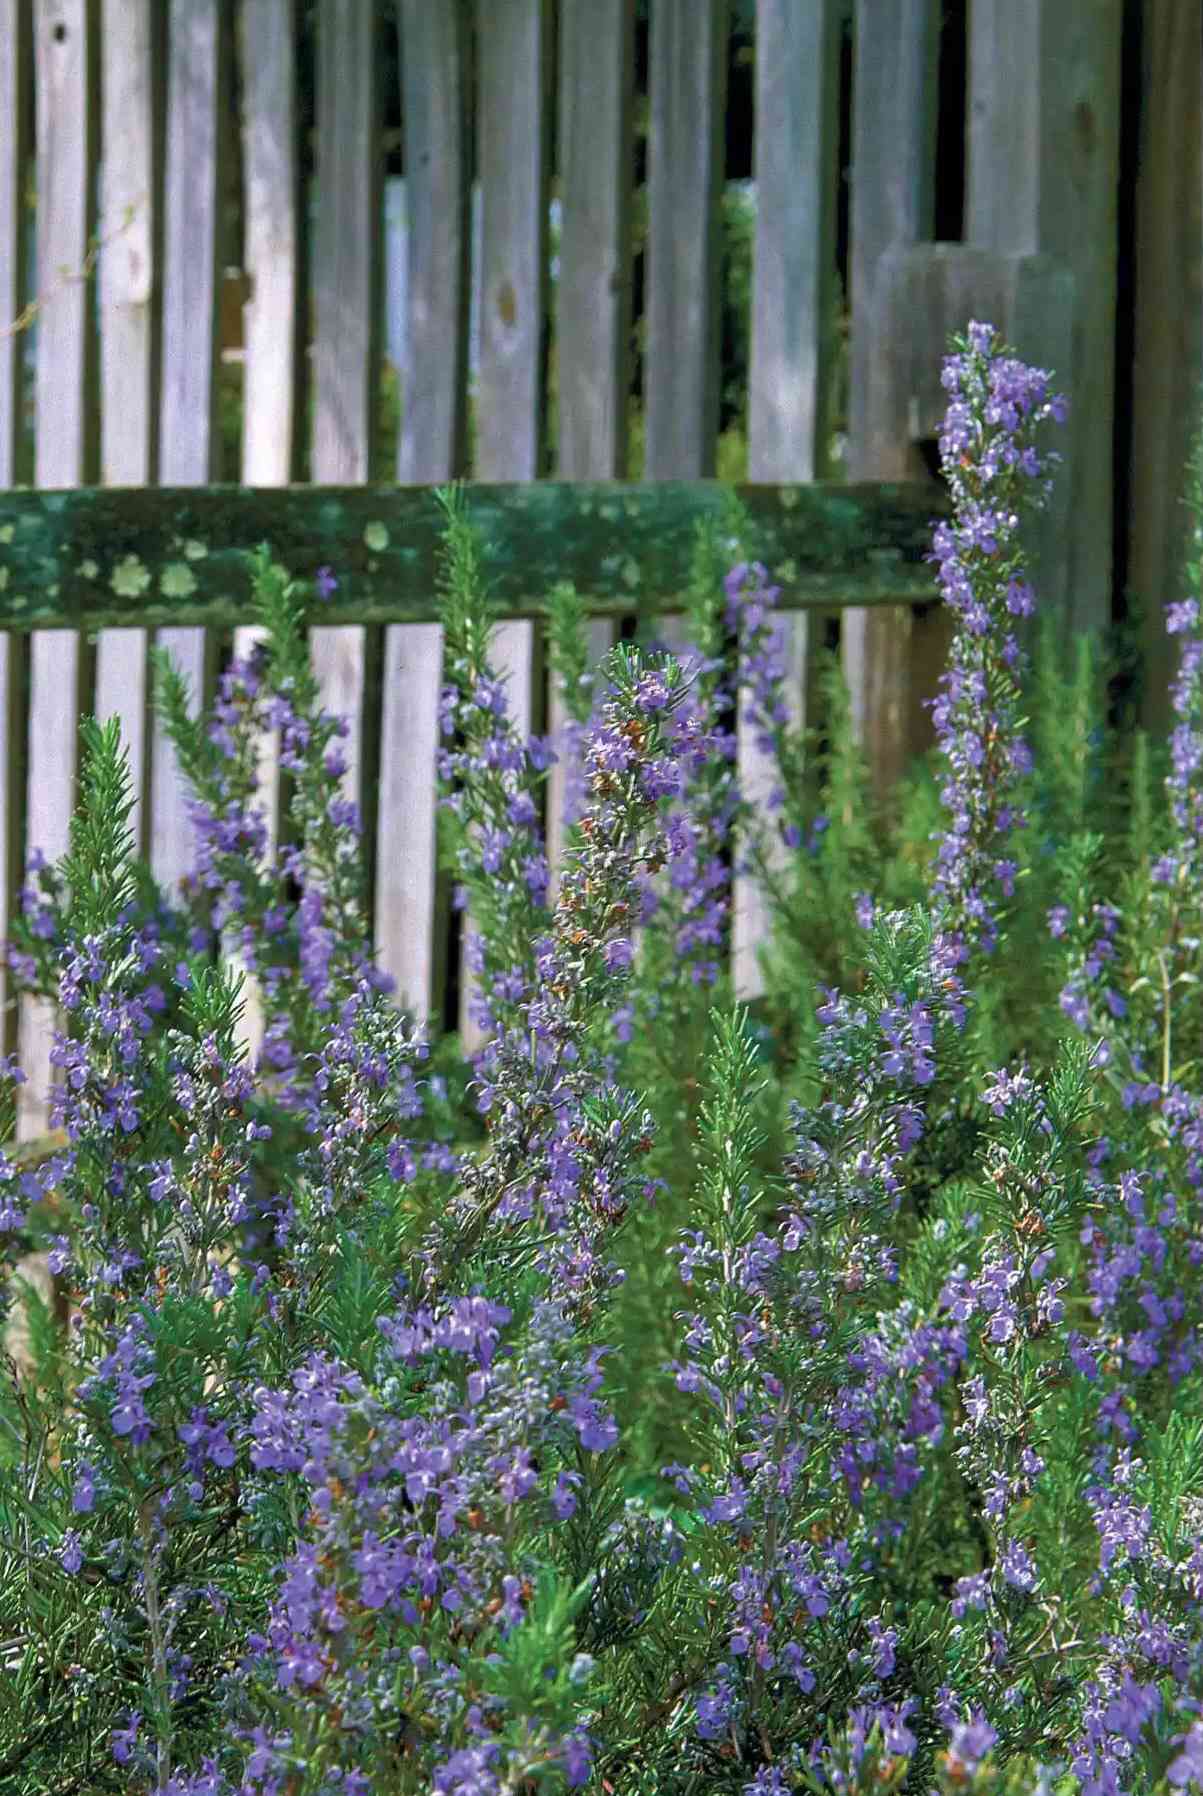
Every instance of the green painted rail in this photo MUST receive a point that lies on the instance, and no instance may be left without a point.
(94, 558)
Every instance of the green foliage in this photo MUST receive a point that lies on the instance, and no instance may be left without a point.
(98, 868)
(910, 1272)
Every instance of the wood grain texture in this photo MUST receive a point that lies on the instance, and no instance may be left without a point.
(432, 445)
(408, 900)
(130, 215)
(513, 43)
(270, 249)
(793, 323)
(797, 74)
(16, 56)
(196, 94)
(64, 447)
(927, 292)
(1169, 324)
(893, 166)
(106, 557)
(14, 695)
(346, 289)
(893, 156)
(130, 197)
(593, 316)
(64, 396)
(271, 314)
(15, 61)
(411, 897)
(1043, 146)
(685, 182)
(512, 149)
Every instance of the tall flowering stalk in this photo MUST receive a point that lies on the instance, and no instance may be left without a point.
(1132, 968)
(562, 1137)
(491, 784)
(995, 472)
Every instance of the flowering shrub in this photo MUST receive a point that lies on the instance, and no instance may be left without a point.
(685, 1400)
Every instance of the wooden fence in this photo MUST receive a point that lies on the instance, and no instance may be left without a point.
(158, 141)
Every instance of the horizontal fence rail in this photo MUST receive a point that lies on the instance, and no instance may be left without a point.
(101, 558)
(113, 566)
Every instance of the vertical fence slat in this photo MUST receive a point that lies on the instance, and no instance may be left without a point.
(893, 168)
(188, 391)
(797, 46)
(1043, 176)
(792, 296)
(130, 59)
(15, 54)
(593, 318)
(410, 901)
(435, 41)
(64, 423)
(1169, 323)
(685, 182)
(269, 137)
(270, 173)
(893, 157)
(512, 42)
(270, 362)
(512, 153)
(14, 150)
(346, 271)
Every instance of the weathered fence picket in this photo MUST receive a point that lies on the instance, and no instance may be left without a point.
(593, 293)
(593, 300)
(14, 152)
(510, 420)
(131, 51)
(197, 89)
(1168, 326)
(893, 163)
(685, 180)
(64, 443)
(346, 288)
(432, 446)
(270, 362)
(1043, 176)
(14, 657)
(272, 323)
(792, 325)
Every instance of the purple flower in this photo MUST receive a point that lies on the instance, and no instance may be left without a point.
(1187, 1768)
(971, 1742)
(124, 1739)
(597, 1432)
(83, 1497)
(70, 1552)
(997, 406)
